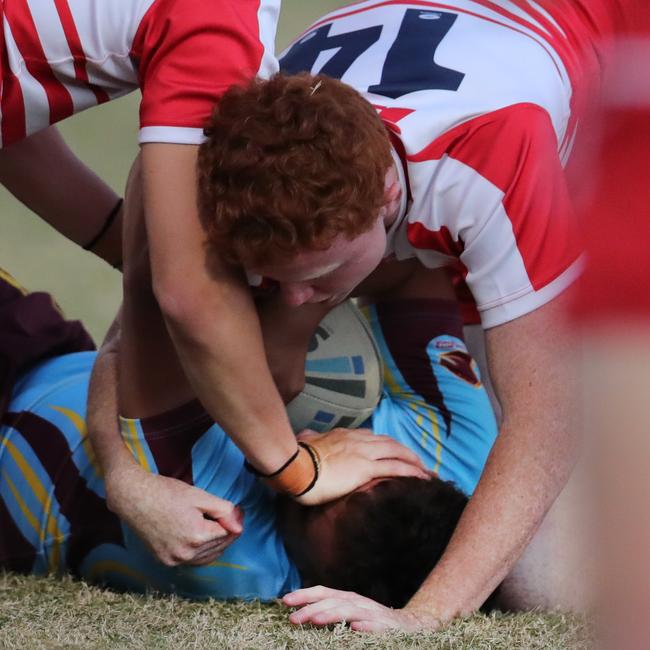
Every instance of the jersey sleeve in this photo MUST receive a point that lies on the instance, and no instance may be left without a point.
(501, 193)
(190, 52)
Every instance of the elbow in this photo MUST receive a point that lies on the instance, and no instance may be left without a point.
(181, 306)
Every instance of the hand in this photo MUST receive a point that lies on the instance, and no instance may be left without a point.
(352, 457)
(181, 524)
(325, 606)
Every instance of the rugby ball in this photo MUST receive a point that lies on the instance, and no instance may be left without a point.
(343, 374)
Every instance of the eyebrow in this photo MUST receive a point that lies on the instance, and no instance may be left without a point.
(321, 272)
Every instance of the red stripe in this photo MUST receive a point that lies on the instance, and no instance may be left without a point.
(527, 169)
(420, 236)
(78, 54)
(13, 106)
(26, 36)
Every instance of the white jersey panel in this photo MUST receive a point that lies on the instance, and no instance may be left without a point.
(506, 64)
(47, 22)
(107, 31)
(32, 91)
(268, 17)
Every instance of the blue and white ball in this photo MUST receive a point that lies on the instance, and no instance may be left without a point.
(343, 374)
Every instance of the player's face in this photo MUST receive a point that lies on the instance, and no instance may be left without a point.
(327, 276)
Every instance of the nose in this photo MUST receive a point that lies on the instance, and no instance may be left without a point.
(295, 294)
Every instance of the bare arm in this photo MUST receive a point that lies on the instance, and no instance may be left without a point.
(527, 468)
(102, 409)
(210, 313)
(44, 174)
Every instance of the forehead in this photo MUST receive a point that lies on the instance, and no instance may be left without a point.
(309, 265)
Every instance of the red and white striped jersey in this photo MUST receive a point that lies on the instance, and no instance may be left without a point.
(59, 57)
(482, 99)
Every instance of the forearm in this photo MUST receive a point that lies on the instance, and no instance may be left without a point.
(44, 174)
(529, 464)
(500, 520)
(102, 417)
(224, 359)
(210, 313)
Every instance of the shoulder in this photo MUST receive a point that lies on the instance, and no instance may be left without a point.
(505, 132)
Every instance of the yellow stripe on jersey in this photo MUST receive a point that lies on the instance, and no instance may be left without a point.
(133, 441)
(80, 424)
(29, 516)
(50, 525)
(229, 565)
(394, 388)
(100, 568)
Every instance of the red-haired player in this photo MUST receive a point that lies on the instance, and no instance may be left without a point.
(482, 101)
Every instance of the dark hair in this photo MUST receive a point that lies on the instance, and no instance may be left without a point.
(289, 164)
(388, 539)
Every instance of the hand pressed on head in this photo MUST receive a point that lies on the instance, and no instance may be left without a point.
(350, 458)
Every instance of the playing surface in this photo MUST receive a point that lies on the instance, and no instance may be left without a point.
(48, 613)
(55, 614)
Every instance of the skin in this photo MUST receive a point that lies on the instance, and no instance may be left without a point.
(28, 172)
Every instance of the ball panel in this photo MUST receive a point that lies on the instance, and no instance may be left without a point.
(343, 374)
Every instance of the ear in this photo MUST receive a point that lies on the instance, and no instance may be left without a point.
(392, 194)
(391, 185)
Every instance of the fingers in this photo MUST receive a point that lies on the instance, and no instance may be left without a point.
(385, 447)
(222, 511)
(374, 626)
(390, 467)
(313, 594)
(211, 552)
(331, 610)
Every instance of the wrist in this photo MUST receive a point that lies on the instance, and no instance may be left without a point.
(297, 476)
(118, 482)
(422, 619)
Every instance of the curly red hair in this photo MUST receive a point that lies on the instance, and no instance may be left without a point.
(289, 164)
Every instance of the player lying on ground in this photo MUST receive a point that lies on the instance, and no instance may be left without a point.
(478, 104)
(381, 541)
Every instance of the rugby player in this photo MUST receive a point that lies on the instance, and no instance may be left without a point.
(381, 541)
(476, 105)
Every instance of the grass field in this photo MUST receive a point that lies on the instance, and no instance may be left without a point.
(48, 613)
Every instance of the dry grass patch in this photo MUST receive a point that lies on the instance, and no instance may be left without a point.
(51, 613)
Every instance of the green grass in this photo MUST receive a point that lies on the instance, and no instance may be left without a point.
(51, 613)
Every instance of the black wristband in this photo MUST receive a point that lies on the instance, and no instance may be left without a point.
(259, 474)
(107, 224)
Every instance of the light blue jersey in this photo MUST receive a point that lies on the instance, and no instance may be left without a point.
(54, 497)
(53, 515)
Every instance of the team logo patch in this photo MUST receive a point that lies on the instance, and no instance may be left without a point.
(462, 365)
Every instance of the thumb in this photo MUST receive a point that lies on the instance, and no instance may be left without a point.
(222, 511)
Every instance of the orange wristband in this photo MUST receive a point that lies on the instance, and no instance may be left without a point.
(300, 475)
